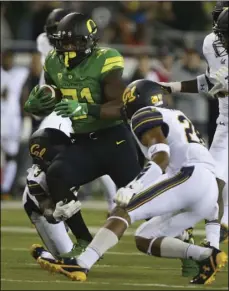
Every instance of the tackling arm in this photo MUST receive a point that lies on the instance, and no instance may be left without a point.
(147, 127)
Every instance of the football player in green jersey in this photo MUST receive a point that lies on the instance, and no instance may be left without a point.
(90, 80)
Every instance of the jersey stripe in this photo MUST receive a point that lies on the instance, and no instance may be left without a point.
(113, 60)
(106, 68)
(159, 188)
(35, 188)
(144, 120)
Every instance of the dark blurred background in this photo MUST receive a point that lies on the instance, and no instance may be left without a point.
(161, 41)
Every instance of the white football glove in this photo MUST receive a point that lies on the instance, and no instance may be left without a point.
(65, 211)
(222, 82)
(125, 194)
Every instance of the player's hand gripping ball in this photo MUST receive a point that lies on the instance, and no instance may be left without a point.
(42, 99)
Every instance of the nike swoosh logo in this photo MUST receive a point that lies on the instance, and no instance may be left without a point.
(119, 142)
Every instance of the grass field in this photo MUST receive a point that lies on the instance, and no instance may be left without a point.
(123, 267)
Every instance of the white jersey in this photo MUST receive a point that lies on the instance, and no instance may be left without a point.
(185, 143)
(35, 184)
(217, 72)
(43, 46)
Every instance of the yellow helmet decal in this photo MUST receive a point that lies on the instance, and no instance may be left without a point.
(37, 151)
(128, 95)
(91, 26)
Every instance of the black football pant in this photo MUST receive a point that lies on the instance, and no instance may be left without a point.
(110, 152)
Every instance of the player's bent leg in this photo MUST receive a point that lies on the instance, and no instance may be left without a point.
(54, 236)
(63, 184)
(154, 244)
(161, 226)
(219, 150)
(212, 228)
(107, 237)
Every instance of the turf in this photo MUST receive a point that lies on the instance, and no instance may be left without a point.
(123, 267)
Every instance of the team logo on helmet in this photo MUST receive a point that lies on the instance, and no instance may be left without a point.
(36, 151)
(91, 26)
(157, 99)
(128, 95)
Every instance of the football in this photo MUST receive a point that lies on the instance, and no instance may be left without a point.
(53, 90)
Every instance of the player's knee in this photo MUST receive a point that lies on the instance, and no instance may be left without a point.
(142, 244)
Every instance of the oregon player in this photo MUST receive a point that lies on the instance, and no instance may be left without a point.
(90, 79)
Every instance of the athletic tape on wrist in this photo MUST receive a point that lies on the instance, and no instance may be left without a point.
(159, 147)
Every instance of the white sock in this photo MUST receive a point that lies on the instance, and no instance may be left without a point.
(47, 255)
(198, 253)
(9, 174)
(213, 233)
(175, 248)
(103, 240)
(109, 189)
(224, 219)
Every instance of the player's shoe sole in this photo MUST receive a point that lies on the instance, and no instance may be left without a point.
(209, 267)
(73, 271)
(75, 275)
(49, 265)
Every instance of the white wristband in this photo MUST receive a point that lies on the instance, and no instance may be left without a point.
(202, 84)
(159, 147)
(175, 86)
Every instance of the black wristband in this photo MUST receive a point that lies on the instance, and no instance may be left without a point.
(94, 110)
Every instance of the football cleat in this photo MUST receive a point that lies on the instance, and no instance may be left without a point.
(223, 233)
(73, 271)
(189, 267)
(209, 267)
(36, 251)
(45, 263)
(77, 249)
(50, 265)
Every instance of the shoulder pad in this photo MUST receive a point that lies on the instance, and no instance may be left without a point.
(208, 42)
(50, 55)
(111, 59)
(145, 119)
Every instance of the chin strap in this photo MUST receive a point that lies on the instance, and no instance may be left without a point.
(67, 56)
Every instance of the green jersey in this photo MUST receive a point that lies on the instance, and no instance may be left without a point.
(83, 83)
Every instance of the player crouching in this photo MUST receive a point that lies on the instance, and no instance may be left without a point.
(47, 216)
(178, 187)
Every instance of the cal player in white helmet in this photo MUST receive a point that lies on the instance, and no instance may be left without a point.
(178, 183)
(215, 82)
(44, 45)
